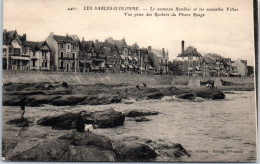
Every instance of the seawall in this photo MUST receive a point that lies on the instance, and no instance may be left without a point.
(109, 78)
(84, 78)
(184, 80)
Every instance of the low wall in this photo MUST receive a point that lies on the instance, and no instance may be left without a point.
(109, 78)
(84, 78)
(184, 80)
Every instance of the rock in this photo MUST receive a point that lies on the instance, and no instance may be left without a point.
(171, 151)
(68, 100)
(71, 147)
(86, 138)
(167, 98)
(142, 119)
(218, 95)
(65, 85)
(107, 118)
(210, 94)
(131, 151)
(154, 95)
(20, 122)
(7, 146)
(66, 121)
(141, 112)
(179, 151)
(188, 96)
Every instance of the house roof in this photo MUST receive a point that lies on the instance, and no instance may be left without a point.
(156, 52)
(208, 59)
(134, 46)
(33, 44)
(214, 57)
(226, 59)
(190, 51)
(37, 45)
(66, 39)
(8, 36)
(118, 43)
(104, 44)
(87, 45)
(244, 61)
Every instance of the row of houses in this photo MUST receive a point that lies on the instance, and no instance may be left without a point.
(191, 63)
(70, 54)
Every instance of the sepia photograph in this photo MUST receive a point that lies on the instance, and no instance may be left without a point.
(129, 80)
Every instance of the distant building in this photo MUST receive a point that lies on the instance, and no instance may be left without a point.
(191, 61)
(159, 59)
(240, 67)
(208, 66)
(13, 57)
(65, 52)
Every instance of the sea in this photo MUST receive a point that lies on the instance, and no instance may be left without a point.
(210, 130)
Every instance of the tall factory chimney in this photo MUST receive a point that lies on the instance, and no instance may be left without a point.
(182, 46)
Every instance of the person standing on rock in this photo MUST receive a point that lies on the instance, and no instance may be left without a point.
(22, 106)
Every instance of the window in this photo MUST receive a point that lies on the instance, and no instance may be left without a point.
(61, 55)
(68, 47)
(45, 63)
(42, 64)
(33, 63)
(61, 65)
(161, 61)
(61, 45)
(73, 55)
(44, 55)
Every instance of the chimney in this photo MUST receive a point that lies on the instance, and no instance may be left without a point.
(24, 37)
(182, 46)
(163, 52)
(96, 41)
(149, 48)
(83, 39)
(51, 34)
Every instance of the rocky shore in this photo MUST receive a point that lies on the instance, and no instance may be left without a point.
(95, 147)
(88, 146)
(61, 94)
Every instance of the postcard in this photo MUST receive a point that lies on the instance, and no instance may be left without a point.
(129, 80)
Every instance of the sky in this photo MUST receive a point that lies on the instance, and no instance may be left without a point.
(227, 33)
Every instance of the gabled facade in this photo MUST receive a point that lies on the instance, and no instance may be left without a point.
(39, 54)
(65, 52)
(13, 57)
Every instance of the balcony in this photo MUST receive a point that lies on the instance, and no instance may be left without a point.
(35, 57)
(67, 58)
(190, 68)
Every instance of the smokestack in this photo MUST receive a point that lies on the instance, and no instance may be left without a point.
(182, 46)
